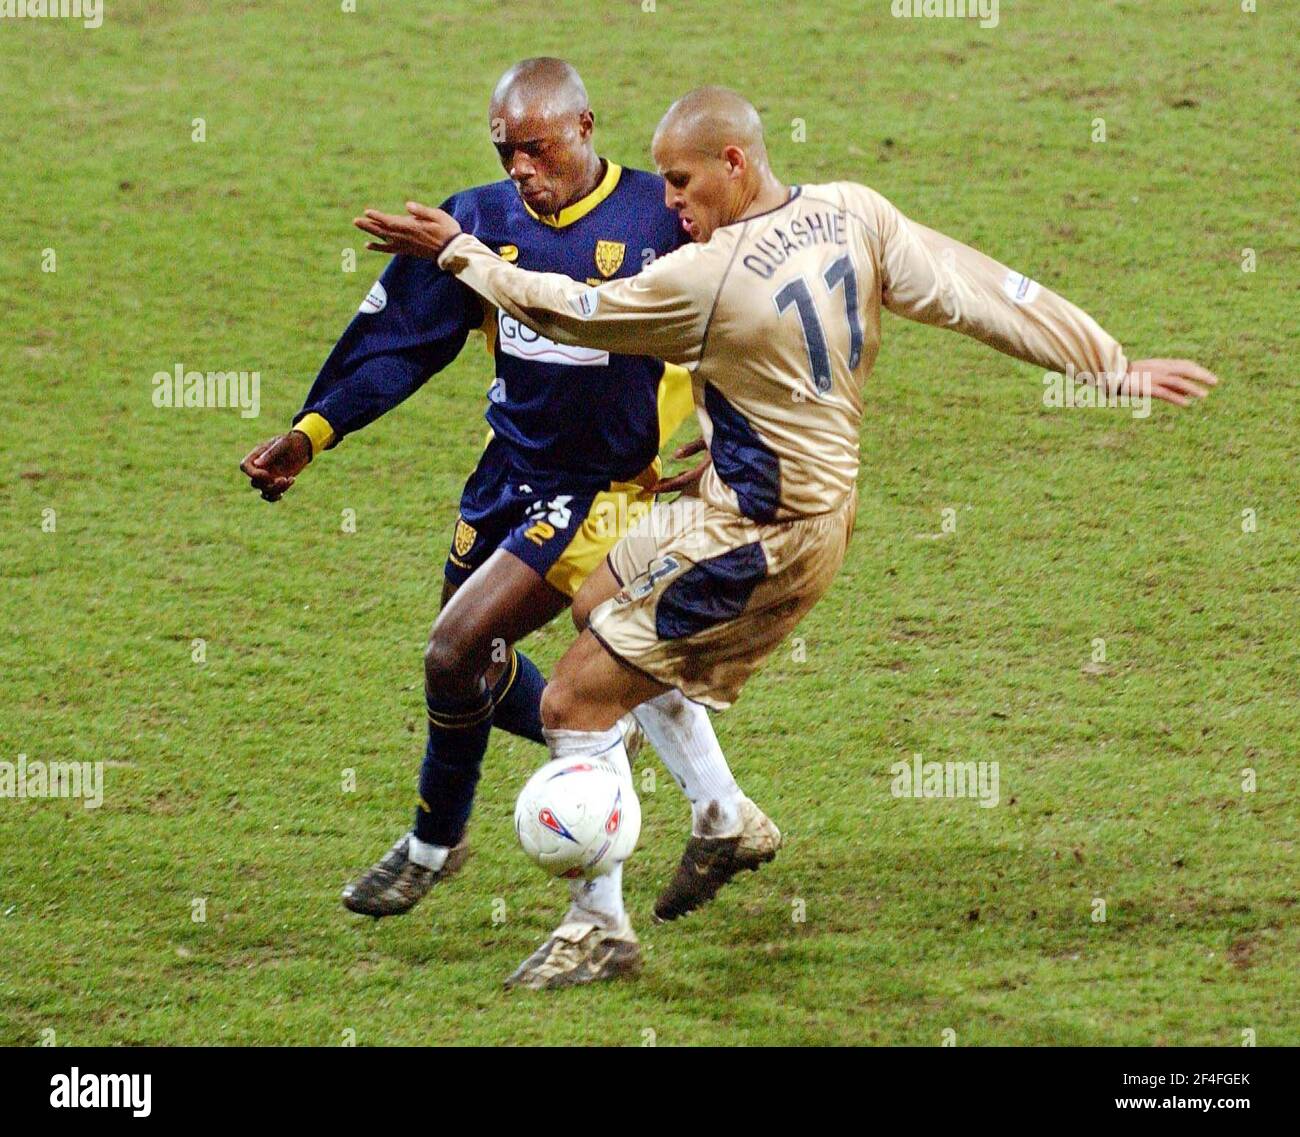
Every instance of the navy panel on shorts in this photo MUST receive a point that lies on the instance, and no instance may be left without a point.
(711, 592)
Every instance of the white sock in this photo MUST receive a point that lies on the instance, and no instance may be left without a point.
(422, 853)
(607, 745)
(683, 735)
(599, 900)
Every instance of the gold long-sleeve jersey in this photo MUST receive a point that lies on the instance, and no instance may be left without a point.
(777, 317)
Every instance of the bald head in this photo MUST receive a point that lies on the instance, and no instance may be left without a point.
(541, 86)
(542, 129)
(708, 120)
(709, 148)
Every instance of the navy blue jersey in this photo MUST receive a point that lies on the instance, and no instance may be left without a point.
(561, 414)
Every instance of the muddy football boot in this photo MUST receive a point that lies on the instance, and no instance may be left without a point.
(397, 884)
(709, 862)
(580, 952)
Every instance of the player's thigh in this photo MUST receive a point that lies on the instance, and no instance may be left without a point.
(626, 551)
(448, 591)
(568, 537)
(595, 590)
(591, 690)
(501, 602)
(708, 595)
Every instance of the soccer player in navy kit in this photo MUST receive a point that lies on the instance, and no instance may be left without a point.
(776, 309)
(571, 461)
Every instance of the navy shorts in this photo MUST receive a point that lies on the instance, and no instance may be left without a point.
(561, 531)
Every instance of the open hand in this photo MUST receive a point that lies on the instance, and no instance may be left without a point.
(1176, 381)
(423, 232)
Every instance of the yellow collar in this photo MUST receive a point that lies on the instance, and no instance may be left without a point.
(579, 209)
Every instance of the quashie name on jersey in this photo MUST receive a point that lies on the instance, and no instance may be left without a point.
(774, 249)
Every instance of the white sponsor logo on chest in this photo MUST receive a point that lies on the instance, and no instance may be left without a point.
(521, 341)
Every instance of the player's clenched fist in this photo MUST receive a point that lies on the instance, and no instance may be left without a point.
(272, 466)
(425, 233)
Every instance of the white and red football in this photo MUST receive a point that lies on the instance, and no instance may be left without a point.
(577, 818)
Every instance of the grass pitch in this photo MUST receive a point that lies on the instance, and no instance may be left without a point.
(886, 920)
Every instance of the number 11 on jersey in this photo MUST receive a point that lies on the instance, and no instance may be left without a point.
(797, 293)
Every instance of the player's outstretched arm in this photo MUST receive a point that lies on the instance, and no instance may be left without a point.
(1176, 381)
(930, 277)
(686, 480)
(657, 312)
(414, 321)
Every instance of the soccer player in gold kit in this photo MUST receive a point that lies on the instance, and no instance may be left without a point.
(775, 310)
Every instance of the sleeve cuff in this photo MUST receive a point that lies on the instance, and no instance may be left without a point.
(445, 260)
(316, 428)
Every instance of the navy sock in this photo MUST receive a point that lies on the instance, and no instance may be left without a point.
(518, 697)
(458, 738)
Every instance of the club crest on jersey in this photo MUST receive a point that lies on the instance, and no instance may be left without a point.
(609, 256)
(463, 540)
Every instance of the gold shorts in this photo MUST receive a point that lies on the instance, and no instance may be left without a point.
(706, 595)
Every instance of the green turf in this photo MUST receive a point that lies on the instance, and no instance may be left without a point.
(1120, 781)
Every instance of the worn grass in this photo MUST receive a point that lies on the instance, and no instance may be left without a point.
(886, 920)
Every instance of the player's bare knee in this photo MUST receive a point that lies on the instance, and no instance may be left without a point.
(445, 662)
(557, 705)
(563, 706)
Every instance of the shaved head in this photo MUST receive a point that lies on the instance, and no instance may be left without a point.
(542, 127)
(542, 86)
(709, 148)
(708, 120)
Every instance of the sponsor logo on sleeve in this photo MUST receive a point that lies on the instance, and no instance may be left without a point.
(1020, 288)
(585, 303)
(375, 301)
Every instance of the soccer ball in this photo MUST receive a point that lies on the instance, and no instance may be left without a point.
(577, 818)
